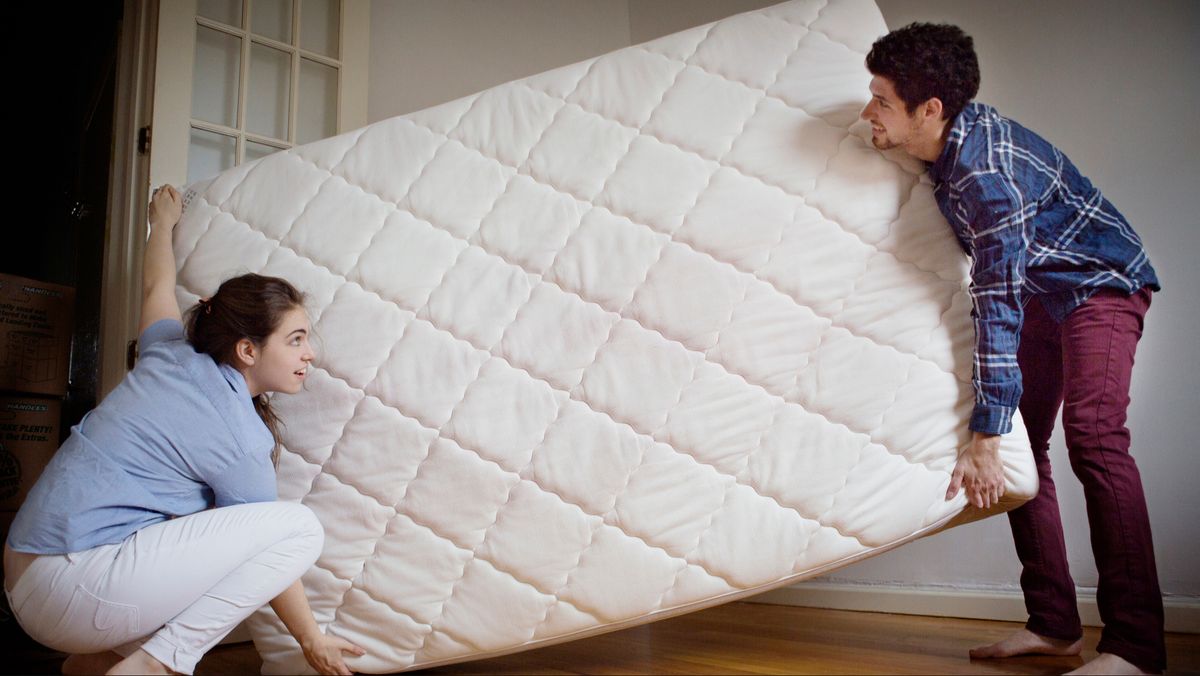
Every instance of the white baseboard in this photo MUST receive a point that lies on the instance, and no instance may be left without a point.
(1182, 614)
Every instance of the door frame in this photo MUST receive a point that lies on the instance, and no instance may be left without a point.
(120, 296)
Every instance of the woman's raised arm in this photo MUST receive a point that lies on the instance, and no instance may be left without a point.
(158, 267)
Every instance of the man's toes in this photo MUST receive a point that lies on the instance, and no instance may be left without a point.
(984, 652)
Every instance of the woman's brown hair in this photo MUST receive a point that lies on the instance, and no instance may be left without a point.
(250, 306)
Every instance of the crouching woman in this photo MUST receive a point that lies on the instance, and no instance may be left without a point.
(117, 556)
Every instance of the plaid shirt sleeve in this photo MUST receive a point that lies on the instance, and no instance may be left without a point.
(996, 220)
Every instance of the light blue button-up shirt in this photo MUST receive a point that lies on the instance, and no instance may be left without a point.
(177, 436)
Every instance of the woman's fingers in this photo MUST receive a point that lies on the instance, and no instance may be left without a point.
(342, 644)
(337, 664)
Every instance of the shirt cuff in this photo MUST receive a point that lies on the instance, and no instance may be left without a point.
(989, 419)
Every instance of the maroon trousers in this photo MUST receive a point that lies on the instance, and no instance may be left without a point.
(1084, 365)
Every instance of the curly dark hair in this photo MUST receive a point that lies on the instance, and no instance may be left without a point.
(926, 60)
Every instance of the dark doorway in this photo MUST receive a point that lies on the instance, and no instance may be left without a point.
(63, 57)
(62, 118)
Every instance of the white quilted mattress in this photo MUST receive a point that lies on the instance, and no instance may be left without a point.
(630, 338)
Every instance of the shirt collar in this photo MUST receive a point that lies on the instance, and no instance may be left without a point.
(964, 122)
(237, 382)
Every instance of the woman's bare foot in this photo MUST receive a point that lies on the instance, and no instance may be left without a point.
(139, 663)
(1107, 663)
(1025, 642)
(96, 663)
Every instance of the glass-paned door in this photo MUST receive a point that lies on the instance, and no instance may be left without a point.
(265, 77)
(215, 83)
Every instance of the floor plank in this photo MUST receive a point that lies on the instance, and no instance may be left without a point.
(741, 638)
(749, 638)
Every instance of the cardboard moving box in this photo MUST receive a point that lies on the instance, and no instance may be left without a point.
(35, 335)
(29, 433)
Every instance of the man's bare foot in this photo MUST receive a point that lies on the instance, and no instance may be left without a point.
(139, 663)
(1108, 663)
(1025, 642)
(96, 663)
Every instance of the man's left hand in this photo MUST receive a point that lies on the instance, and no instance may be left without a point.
(979, 471)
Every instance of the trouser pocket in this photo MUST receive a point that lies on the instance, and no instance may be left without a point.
(91, 624)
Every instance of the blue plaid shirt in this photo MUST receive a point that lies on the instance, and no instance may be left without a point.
(1032, 225)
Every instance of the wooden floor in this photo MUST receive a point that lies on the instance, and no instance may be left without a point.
(749, 638)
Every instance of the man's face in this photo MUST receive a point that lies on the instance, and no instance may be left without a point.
(891, 124)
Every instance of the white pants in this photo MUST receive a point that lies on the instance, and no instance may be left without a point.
(174, 589)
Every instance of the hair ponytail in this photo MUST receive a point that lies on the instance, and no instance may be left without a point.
(262, 406)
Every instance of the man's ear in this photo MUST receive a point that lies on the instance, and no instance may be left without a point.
(246, 352)
(931, 110)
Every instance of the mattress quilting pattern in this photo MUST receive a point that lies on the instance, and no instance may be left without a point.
(626, 339)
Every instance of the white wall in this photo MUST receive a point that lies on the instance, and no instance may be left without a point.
(649, 19)
(425, 52)
(1112, 83)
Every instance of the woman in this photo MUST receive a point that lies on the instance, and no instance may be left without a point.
(116, 557)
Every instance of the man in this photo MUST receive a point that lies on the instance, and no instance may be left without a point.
(1060, 284)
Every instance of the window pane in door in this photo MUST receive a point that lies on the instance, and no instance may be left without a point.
(320, 25)
(317, 112)
(272, 19)
(255, 151)
(269, 86)
(215, 77)
(226, 11)
(209, 154)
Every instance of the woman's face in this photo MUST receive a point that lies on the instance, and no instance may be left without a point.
(281, 362)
